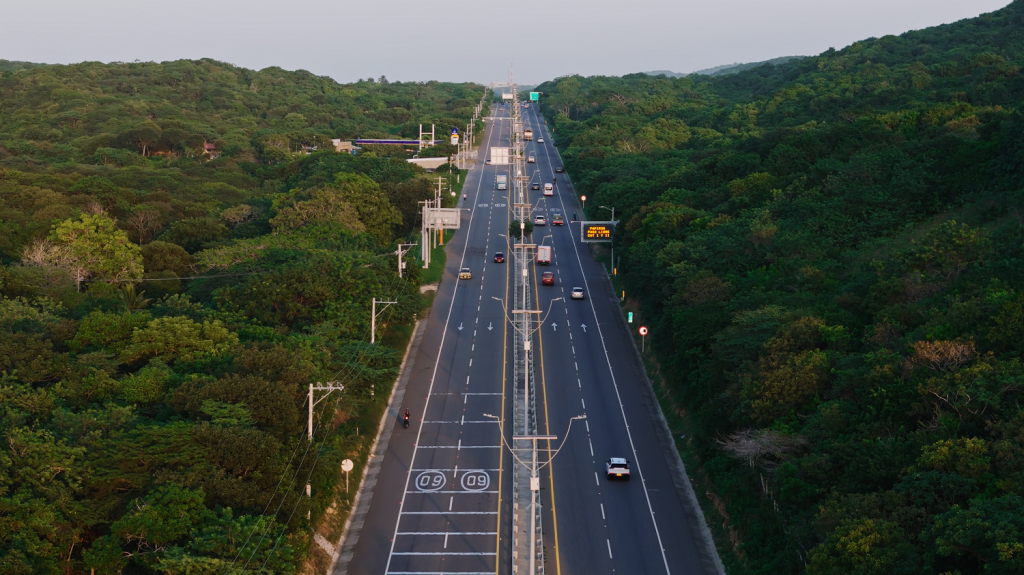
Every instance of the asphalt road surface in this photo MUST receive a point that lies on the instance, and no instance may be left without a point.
(442, 501)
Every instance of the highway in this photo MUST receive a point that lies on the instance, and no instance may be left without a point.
(442, 500)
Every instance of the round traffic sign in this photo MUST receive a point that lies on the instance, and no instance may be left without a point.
(347, 465)
(584, 198)
(643, 331)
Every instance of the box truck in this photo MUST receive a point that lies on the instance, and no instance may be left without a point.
(543, 255)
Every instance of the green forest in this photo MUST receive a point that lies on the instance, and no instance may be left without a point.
(829, 254)
(181, 254)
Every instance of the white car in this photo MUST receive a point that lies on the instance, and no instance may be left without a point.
(540, 140)
(549, 190)
(531, 160)
(617, 468)
(540, 221)
(576, 293)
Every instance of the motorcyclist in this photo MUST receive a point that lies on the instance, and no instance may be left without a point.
(405, 419)
(574, 216)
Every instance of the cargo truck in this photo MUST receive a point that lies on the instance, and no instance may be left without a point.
(543, 255)
(501, 181)
(528, 135)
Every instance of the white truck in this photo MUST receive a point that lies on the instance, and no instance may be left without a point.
(528, 135)
(543, 255)
(501, 181)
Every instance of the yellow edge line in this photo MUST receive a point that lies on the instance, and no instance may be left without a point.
(504, 372)
(547, 429)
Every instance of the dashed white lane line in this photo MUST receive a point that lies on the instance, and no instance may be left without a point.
(584, 404)
(598, 483)
(602, 511)
(609, 547)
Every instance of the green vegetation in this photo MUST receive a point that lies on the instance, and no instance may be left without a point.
(829, 256)
(726, 69)
(180, 260)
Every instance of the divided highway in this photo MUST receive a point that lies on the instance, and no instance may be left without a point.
(442, 500)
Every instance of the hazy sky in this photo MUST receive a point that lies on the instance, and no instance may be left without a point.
(459, 40)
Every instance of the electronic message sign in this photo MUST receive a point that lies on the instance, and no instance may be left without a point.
(597, 231)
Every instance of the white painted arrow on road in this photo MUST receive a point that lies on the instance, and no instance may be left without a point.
(584, 326)
(460, 326)
(555, 326)
(490, 325)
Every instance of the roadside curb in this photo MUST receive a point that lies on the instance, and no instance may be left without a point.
(361, 504)
(703, 539)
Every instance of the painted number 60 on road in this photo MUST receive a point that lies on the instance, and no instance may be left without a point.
(430, 481)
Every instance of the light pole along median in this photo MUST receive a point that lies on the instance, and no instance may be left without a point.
(534, 473)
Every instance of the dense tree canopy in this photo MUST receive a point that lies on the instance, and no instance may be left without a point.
(829, 255)
(163, 309)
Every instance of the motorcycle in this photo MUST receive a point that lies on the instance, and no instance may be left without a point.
(405, 420)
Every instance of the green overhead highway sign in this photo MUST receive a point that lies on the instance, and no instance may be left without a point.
(534, 96)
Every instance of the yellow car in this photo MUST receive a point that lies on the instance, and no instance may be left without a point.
(465, 274)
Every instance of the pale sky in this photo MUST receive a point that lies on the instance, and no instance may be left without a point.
(459, 40)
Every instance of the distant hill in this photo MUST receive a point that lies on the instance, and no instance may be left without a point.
(726, 69)
(15, 66)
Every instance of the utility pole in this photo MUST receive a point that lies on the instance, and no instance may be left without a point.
(401, 252)
(373, 317)
(329, 387)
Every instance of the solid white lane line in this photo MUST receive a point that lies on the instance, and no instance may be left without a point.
(475, 554)
(460, 446)
(437, 361)
(449, 493)
(445, 532)
(449, 513)
(446, 469)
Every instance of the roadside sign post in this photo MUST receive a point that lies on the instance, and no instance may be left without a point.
(584, 200)
(643, 338)
(630, 317)
(346, 466)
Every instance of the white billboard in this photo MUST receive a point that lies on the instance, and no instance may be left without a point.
(442, 218)
(499, 156)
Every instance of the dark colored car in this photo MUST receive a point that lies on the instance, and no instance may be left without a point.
(534, 186)
(548, 279)
(557, 220)
(499, 258)
(559, 170)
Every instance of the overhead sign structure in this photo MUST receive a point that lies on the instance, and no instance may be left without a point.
(442, 218)
(597, 231)
(534, 96)
(507, 96)
(499, 156)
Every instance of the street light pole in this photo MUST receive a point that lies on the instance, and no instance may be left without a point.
(534, 474)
